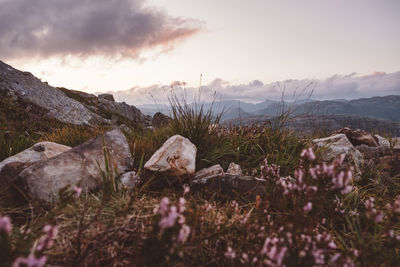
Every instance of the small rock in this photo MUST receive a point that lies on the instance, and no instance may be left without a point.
(383, 142)
(234, 169)
(396, 142)
(337, 145)
(207, 173)
(130, 179)
(108, 97)
(177, 156)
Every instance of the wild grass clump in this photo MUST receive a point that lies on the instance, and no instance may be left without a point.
(11, 143)
(72, 135)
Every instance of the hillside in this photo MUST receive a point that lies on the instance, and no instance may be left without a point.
(23, 95)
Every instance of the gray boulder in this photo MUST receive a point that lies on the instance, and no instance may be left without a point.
(78, 166)
(12, 166)
(337, 145)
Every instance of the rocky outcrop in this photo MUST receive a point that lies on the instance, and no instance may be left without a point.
(68, 106)
(108, 97)
(24, 86)
(336, 145)
(160, 119)
(177, 157)
(79, 166)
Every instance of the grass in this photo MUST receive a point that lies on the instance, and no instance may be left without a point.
(353, 222)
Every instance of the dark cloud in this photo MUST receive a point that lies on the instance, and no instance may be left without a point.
(337, 86)
(87, 27)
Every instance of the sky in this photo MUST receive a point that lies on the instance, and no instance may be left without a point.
(240, 48)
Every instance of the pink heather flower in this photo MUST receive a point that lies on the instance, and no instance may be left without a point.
(183, 233)
(30, 261)
(207, 207)
(169, 219)
(245, 257)
(78, 191)
(5, 224)
(308, 154)
(186, 189)
(181, 204)
(308, 207)
(230, 253)
(378, 217)
(47, 240)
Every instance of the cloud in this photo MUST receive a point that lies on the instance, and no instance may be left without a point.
(337, 86)
(111, 28)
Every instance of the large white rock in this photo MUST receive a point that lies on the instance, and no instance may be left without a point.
(337, 145)
(78, 166)
(177, 156)
(11, 166)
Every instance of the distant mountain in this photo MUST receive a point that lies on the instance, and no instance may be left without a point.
(325, 123)
(381, 107)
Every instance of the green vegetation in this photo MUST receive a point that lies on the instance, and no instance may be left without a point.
(323, 218)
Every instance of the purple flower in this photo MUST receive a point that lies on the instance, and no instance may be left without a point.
(5, 224)
(308, 154)
(183, 233)
(30, 261)
(78, 191)
(186, 189)
(230, 253)
(308, 207)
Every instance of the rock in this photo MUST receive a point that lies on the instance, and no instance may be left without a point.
(159, 119)
(25, 86)
(396, 142)
(230, 185)
(78, 166)
(337, 145)
(130, 179)
(207, 173)
(382, 142)
(12, 166)
(122, 109)
(358, 137)
(108, 97)
(234, 169)
(177, 156)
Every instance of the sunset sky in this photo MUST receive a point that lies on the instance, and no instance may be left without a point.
(115, 45)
